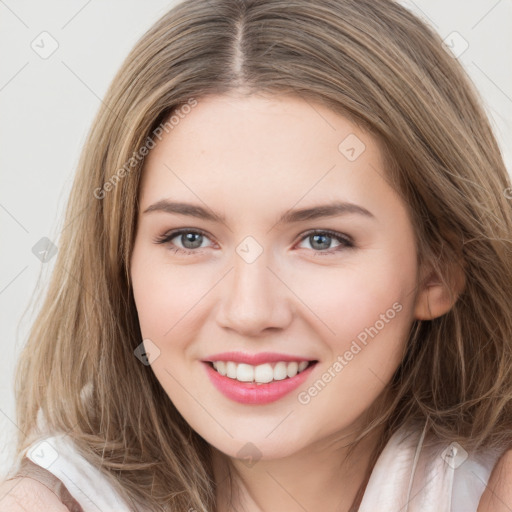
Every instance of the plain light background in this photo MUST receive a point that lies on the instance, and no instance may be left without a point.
(48, 102)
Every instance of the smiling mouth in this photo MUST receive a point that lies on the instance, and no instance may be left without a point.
(260, 374)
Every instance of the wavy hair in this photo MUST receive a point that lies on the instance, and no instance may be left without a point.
(369, 60)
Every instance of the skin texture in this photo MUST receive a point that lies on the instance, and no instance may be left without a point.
(28, 495)
(252, 159)
(497, 496)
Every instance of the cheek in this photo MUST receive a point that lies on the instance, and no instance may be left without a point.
(348, 300)
(155, 294)
(371, 318)
(368, 309)
(167, 297)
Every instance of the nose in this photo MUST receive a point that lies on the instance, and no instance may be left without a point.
(254, 298)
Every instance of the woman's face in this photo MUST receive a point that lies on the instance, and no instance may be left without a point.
(281, 240)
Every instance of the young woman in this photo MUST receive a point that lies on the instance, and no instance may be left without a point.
(287, 279)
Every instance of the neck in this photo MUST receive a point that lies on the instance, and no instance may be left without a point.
(322, 476)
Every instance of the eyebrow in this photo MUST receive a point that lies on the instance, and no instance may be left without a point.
(291, 216)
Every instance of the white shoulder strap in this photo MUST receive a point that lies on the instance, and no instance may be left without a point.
(84, 482)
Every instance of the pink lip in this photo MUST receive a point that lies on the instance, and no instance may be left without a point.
(252, 393)
(255, 359)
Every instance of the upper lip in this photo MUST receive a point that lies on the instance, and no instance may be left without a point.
(255, 359)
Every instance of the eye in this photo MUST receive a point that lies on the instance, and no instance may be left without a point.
(190, 239)
(322, 239)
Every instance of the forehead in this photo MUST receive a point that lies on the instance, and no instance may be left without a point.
(263, 151)
(264, 127)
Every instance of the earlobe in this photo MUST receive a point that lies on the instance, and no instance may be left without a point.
(436, 298)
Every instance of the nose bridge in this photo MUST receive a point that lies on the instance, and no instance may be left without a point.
(253, 299)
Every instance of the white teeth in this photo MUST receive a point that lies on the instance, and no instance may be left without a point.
(302, 365)
(245, 372)
(260, 374)
(293, 369)
(231, 370)
(220, 366)
(280, 371)
(263, 373)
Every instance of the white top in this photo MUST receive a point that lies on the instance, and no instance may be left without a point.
(412, 477)
(409, 476)
(90, 488)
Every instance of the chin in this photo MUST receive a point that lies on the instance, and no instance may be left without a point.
(257, 444)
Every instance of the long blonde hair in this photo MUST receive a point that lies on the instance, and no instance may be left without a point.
(370, 60)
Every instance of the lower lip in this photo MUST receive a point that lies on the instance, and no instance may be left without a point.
(252, 393)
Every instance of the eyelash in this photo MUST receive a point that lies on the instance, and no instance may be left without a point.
(345, 241)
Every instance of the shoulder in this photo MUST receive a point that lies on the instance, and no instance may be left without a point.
(23, 494)
(497, 496)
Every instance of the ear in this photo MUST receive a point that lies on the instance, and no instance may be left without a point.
(434, 298)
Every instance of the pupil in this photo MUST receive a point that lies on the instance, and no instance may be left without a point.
(189, 237)
(325, 243)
